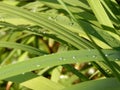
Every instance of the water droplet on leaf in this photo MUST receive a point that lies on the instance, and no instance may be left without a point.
(23, 73)
(61, 58)
(91, 71)
(44, 32)
(38, 65)
(106, 55)
(94, 56)
(50, 18)
(89, 63)
(107, 70)
(63, 76)
(116, 59)
(74, 57)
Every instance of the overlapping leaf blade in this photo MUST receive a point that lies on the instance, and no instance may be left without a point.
(22, 47)
(57, 59)
(107, 84)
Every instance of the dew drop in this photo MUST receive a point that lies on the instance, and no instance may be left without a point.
(91, 71)
(63, 77)
(89, 63)
(116, 59)
(50, 18)
(74, 57)
(23, 73)
(44, 32)
(38, 65)
(107, 70)
(61, 58)
(106, 55)
(94, 56)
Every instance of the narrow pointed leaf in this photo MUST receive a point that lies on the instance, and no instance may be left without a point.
(56, 59)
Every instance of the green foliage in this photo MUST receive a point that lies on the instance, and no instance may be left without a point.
(54, 44)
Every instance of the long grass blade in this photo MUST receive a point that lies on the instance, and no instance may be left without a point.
(56, 59)
(103, 84)
(39, 19)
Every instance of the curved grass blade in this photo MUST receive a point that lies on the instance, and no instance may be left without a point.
(56, 59)
(62, 32)
(42, 83)
(22, 77)
(22, 47)
(103, 84)
(28, 79)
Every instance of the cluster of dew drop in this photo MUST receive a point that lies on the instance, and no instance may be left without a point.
(38, 65)
(93, 56)
(116, 59)
(52, 18)
(63, 59)
(40, 31)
